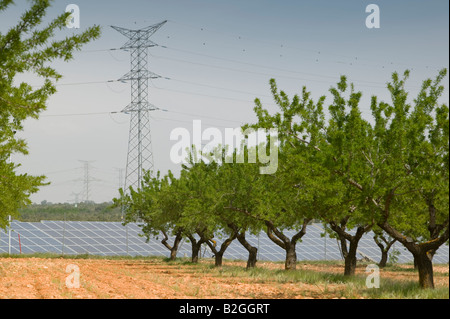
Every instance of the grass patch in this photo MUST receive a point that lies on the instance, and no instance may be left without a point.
(390, 289)
(264, 275)
(352, 286)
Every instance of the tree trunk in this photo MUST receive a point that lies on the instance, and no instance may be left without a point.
(384, 258)
(173, 254)
(218, 259)
(425, 268)
(173, 249)
(176, 244)
(430, 256)
(291, 257)
(252, 257)
(422, 252)
(195, 253)
(350, 260)
(379, 239)
(196, 247)
(344, 250)
(252, 251)
(218, 254)
(287, 244)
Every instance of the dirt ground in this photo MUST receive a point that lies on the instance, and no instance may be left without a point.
(37, 278)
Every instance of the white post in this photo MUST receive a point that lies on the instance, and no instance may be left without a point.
(9, 219)
(257, 254)
(9, 235)
(64, 233)
(126, 229)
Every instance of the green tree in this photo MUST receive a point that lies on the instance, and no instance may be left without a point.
(26, 49)
(311, 152)
(410, 155)
(294, 195)
(397, 165)
(157, 206)
(202, 214)
(233, 188)
(345, 145)
(384, 243)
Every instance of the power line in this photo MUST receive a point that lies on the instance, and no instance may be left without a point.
(185, 121)
(100, 50)
(220, 88)
(336, 79)
(76, 114)
(241, 37)
(164, 110)
(205, 116)
(61, 171)
(274, 75)
(356, 81)
(353, 60)
(245, 63)
(204, 95)
(84, 83)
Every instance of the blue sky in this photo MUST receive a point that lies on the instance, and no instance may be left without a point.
(219, 55)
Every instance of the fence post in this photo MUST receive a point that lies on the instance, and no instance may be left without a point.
(64, 234)
(20, 245)
(126, 230)
(258, 253)
(9, 235)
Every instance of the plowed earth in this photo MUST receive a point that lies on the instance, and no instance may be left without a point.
(53, 278)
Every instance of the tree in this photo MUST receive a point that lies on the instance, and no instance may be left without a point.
(27, 49)
(345, 145)
(201, 213)
(384, 243)
(397, 165)
(234, 183)
(290, 198)
(313, 153)
(411, 190)
(157, 206)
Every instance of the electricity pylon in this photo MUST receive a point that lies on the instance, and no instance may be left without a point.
(86, 180)
(140, 154)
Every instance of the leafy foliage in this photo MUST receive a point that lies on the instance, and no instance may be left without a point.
(28, 49)
(81, 212)
(388, 173)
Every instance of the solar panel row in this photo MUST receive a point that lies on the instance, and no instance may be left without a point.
(112, 239)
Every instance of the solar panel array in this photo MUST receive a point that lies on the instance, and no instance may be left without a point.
(112, 239)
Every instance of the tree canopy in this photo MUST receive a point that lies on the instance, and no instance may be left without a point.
(387, 173)
(28, 48)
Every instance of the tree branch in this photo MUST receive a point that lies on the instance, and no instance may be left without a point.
(341, 232)
(275, 239)
(302, 232)
(435, 243)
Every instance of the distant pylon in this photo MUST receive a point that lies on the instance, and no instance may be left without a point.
(140, 154)
(87, 180)
(77, 198)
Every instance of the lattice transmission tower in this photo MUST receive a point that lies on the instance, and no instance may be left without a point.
(140, 154)
(87, 179)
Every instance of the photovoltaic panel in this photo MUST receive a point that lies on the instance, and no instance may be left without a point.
(112, 238)
(32, 239)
